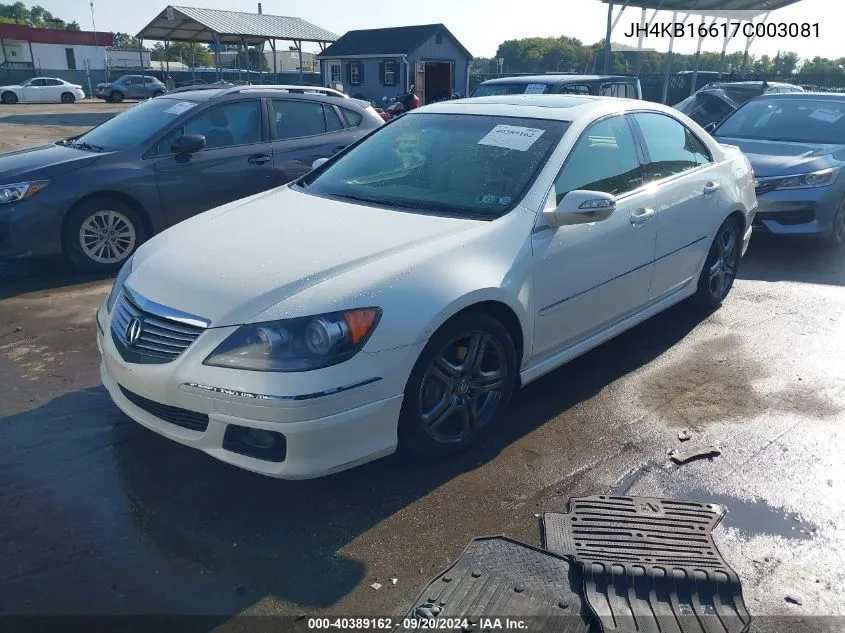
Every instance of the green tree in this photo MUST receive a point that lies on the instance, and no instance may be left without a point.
(124, 40)
(183, 52)
(37, 17)
(823, 66)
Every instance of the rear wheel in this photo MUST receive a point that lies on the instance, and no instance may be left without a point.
(101, 233)
(9, 97)
(115, 96)
(459, 387)
(717, 276)
(68, 97)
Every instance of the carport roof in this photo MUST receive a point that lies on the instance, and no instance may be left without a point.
(191, 24)
(706, 6)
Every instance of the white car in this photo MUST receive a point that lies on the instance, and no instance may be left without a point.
(400, 292)
(42, 90)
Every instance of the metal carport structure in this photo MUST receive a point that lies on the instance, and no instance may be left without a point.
(212, 26)
(727, 10)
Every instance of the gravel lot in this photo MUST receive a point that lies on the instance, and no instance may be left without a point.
(100, 516)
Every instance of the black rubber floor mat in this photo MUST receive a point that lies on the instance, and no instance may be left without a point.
(650, 565)
(499, 578)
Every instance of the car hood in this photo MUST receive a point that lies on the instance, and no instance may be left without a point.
(779, 158)
(43, 161)
(232, 263)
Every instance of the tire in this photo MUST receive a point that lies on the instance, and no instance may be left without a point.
(837, 234)
(720, 268)
(115, 96)
(68, 97)
(9, 97)
(86, 222)
(443, 395)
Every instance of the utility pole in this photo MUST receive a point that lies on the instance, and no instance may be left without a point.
(105, 52)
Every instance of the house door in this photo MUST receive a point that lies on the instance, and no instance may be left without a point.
(438, 81)
(419, 82)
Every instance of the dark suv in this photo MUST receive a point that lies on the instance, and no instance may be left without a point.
(130, 87)
(96, 197)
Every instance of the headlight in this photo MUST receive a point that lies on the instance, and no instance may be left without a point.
(119, 281)
(820, 178)
(20, 191)
(299, 344)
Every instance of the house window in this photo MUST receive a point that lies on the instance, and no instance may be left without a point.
(355, 73)
(334, 72)
(438, 39)
(13, 53)
(71, 59)
(389, 73)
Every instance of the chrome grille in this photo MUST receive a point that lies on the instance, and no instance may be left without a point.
(161, 339)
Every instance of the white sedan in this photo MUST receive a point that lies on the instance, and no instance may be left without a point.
(42, 90)
(400, 292)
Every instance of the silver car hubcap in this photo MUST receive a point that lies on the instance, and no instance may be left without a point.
(107, 237)
(723, 269)
(463, 387)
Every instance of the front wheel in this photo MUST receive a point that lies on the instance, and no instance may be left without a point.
(459, 387)
(101, 233)
(116, 96)
(717, 276)
(9, 97)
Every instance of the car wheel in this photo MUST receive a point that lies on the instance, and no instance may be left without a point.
(717, 276)
(837, 235)
(460, 386)
(68, 97)
(101, 233)
(115, 96)
(9, 97)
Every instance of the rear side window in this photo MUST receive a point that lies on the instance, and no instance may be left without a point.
(621, 89)
(295, 118)
(604, 159)
(672, 147)
(573, 89)
(353, 119)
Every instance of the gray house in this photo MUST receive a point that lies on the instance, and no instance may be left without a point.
(378, 63)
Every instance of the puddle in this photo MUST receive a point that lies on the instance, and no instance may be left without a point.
(751, 518)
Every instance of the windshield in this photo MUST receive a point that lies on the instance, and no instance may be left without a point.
(795, 120)
(741, 94)
(458, 164)
(496, 90)
(136, 125)
(706, 106)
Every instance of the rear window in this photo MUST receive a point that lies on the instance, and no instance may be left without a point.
(741, 94)
(496, 90)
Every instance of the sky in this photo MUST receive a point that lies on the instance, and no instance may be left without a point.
(480, 25)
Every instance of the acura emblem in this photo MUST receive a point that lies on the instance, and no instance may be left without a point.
(133, 331)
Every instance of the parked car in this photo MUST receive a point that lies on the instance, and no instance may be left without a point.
(796, 144)
(553, 83)
(42, 90)
(96, 197)
(715, 101)
(130, 87)
(403, 289)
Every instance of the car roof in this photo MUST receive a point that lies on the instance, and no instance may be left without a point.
(207, 94)
(756, 84)
(553, 107)
(554, 79)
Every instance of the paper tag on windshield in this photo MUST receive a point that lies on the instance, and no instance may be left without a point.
(179, 108)
(511, 137)
(535, 89)
(828, 116)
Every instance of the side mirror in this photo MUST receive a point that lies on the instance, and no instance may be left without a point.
(580, 207)
(710, 127)
(188, 144)
(319, 163)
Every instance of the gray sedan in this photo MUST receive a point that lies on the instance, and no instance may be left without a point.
(796, 144)
(130, 87)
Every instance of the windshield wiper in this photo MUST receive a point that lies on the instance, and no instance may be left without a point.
(387, 202)
(87, 146)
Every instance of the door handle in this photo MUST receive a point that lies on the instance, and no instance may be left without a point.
(641, 215)
(258, 159)
(710, 187)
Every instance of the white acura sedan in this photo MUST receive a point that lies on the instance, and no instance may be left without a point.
(400, 292)
(42, 90)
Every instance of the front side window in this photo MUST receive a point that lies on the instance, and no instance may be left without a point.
(672, 148)
(37, 82)
(295, 118)
(604, 159)
(226, 125)
(456, 164)
(389, 73)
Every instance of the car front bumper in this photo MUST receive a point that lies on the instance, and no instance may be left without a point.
(32, 227)
(331, 419)
(798, 211)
